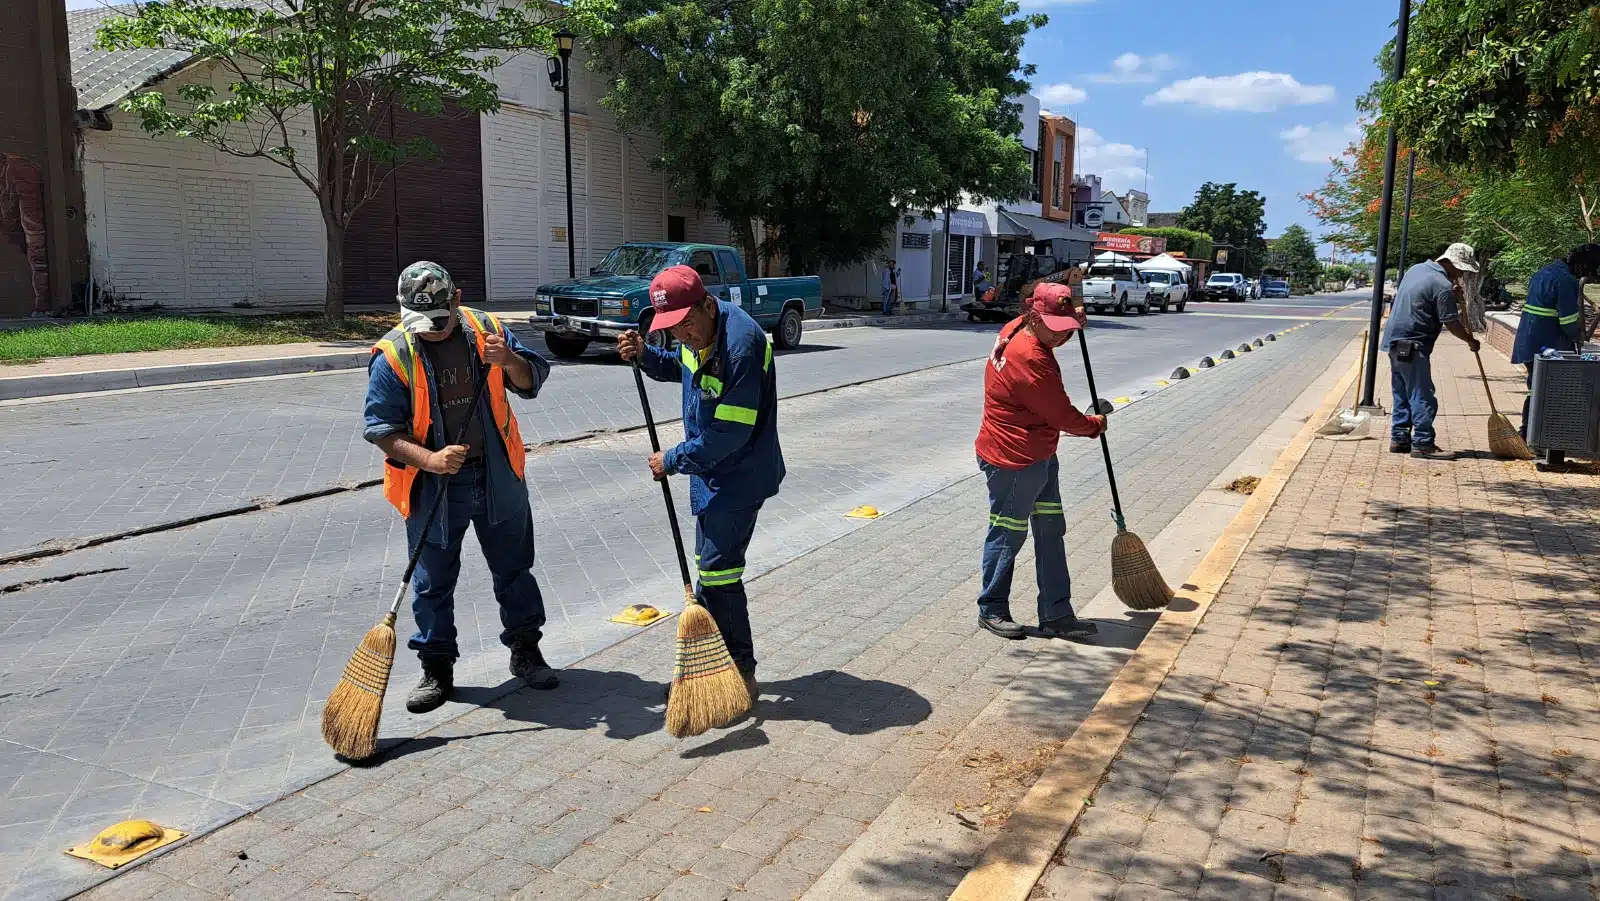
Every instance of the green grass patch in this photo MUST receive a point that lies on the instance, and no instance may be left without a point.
(122, 335)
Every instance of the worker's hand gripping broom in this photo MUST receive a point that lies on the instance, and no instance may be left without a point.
(1134, 576)
(707, 690)
(350, 718)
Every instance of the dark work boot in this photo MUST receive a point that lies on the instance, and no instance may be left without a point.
(527, 663)
(1399, 447)
(1429, 451)
(437, 686)
(751, 686)
(1003, 626)
(1068, 626)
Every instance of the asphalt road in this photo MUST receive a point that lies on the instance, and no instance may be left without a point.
(179, 674)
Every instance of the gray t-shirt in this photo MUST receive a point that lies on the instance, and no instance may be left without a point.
(1425, 302)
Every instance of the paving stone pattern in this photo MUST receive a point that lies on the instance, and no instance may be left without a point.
(869, 656)
(1393, 697)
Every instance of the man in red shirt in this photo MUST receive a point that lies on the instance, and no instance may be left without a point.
(1025, 409)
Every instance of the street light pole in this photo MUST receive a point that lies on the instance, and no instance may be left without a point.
(1375, 317)
(564, 41)
(1405, 219)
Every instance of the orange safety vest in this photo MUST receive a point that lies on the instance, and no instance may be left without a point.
(400, 348)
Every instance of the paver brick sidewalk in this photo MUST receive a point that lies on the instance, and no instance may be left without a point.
(1393, 696)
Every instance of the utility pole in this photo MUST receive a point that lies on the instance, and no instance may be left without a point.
(1375, 318)
(1405, 219)
(564, 42)
(944, 302)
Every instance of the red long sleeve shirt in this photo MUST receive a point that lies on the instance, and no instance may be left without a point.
(1025, 406)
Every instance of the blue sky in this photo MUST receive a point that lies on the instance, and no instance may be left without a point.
(1258, 93)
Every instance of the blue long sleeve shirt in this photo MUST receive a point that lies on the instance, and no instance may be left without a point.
(730, 447)
(1552, 315)
(388, 411)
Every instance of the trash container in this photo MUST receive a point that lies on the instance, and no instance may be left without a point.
(1564, 410)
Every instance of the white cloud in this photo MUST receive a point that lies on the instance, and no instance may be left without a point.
(1061, 94)
(1251, 92)
(1120, 166)
(1131, 68)
(1319, 143)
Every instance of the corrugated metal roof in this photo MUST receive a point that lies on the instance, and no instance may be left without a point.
(102, 78)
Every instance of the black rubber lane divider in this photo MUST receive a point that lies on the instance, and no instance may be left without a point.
(51, 580)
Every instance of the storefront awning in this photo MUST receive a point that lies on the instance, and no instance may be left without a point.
(1021, 225)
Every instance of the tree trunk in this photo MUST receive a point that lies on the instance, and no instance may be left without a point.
(1477, 319)
(747, 241)
(333, 297)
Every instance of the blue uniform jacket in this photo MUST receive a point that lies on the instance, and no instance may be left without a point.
(1552, 316)
(388, 410)
(730, 415)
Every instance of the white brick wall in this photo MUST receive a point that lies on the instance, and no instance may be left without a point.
(174, 222)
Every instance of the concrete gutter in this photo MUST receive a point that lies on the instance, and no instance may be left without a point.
(72, 380)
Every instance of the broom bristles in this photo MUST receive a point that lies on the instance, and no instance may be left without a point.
(1504, 441)
(707, 690)
(1134, 576)
(350, 718)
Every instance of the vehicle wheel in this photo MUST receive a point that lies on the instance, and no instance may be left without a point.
(790, 327)
(662, 339)
(565, 348)
(972, 317)
(1163, 307)
(1144, 308)
(1122, 305)
(1183, 304)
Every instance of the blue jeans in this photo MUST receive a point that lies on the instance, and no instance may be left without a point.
(1019, 498)
(888, 301)
(1415, 404)
(508, 549)
(720, 541)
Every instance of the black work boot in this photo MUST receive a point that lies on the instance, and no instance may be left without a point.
(1003, 626)
(1429, 451)
(1068, 626)
(527, 663)
(437, 686)
(1399, 447)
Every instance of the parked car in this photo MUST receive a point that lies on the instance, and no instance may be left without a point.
(1272, 287)
(615, 296)
(1115, 286)
(1229, 286)
(1167, 289)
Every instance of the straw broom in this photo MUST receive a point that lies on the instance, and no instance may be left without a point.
(350, 718)
(707, 690)
(1134, 576)
(1504, 441)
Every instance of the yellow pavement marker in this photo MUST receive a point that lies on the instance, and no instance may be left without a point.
(865, 511)
(638, 615)
(125, 842)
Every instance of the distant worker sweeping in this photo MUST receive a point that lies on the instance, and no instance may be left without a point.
(730, 449)
(1025, 410)
(420, 389)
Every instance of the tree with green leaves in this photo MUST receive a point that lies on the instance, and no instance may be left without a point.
(824, 121)
(1231, 217)
(1295, 252)
(1193, 244)
(335, 69)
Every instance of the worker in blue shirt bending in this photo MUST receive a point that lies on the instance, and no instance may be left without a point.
(1552, 316)
(730, 438)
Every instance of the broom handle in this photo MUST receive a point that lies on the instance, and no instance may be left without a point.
(666, 489)
(1105, 446)
(1485, 376)
(438, 502)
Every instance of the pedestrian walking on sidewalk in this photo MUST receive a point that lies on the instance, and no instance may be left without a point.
(730, 446)
(1424, 305)
(1552, 316)
(1025, 410)
(421, 382)
(891, 286)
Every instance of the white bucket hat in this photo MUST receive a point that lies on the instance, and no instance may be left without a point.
(1460, 256)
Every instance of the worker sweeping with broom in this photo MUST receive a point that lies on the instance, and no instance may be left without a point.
(1025, 410)
(730, 453)
(436, 405)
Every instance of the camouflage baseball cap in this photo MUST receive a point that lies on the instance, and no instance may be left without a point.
(425, 293)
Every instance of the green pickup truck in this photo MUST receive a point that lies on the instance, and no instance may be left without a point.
(615, 297)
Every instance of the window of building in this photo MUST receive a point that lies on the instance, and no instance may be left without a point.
(676, 228)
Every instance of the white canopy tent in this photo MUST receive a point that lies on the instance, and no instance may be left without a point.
(1165, 263)
(1113, 258)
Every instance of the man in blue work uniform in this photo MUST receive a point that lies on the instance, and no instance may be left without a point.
(730, 438)
(421, 382)
(1424, 305)
(1552, 316)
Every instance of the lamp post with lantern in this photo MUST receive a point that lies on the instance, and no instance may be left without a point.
(561, 76)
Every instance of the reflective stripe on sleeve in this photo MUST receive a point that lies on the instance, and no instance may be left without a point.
(1540, 311)
(1568, 320)
(731, 413)
(720, 577)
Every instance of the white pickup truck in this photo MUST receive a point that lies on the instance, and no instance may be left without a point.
(1116, 287)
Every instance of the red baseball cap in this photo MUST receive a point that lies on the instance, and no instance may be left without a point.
(673, 292)
(1053, 303)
